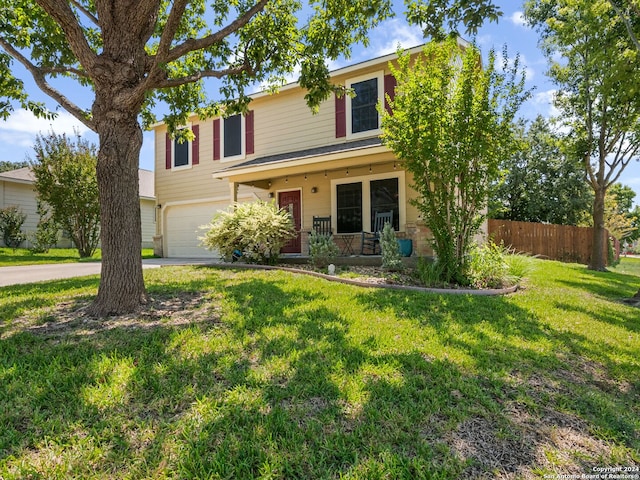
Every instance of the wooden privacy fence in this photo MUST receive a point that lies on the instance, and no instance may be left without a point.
(556, 242)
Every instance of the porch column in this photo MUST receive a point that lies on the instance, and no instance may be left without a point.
(233, 190)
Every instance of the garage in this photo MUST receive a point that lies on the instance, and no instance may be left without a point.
(182, 229)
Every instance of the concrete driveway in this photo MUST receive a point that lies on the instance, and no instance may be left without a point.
(40, 273)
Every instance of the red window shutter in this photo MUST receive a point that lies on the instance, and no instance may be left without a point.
(195, 145)
(390, 83)
(341, 116)
(216, 139)
(167, 153)
(248, 127)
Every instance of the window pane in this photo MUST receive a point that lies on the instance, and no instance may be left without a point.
(384, 197)
(349, 199)
(233, 136)
(364, 115)
(181, 153)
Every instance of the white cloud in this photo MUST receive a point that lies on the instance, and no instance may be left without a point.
(544, 101)
(485, 42)
(517, 18)
(23, 122)
(18, 132)
(393, 33)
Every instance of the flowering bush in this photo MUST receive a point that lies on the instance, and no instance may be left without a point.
(257, 229)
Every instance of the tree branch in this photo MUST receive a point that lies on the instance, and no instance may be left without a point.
(63, 70)
(86, 12)
(170, 29)
(41, 81)
(192, 44)
(157, 77)
(176, 82)
(627, 24)
(61, 12)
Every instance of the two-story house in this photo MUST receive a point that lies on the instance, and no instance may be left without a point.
(327, 164)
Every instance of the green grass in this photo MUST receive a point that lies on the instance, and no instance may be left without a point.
(628, 265)
(21, 256)
(266, 374)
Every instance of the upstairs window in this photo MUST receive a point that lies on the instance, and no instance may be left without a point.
(364, 115)
(183, 155)
(357, 116)
(233, 137)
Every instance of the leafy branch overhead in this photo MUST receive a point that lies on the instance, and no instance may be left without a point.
(174, 46)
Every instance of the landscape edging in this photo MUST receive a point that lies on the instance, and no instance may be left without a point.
(389, 286)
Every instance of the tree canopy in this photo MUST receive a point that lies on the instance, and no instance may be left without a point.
(540, 182)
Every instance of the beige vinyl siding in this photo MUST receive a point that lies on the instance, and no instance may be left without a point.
(284, 123)
(148, 221)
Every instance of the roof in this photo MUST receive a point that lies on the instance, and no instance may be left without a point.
(309, 152)
(20, 175)
(25, 175)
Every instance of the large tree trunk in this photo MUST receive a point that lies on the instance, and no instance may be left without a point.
(121, 283)
(598, 252)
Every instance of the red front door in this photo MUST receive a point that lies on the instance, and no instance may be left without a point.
(291, 201)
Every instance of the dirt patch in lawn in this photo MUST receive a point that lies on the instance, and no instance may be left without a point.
(71, 317)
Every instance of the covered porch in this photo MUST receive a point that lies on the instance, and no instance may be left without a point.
(348, 182)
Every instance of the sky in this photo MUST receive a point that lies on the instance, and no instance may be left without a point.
(17, 133)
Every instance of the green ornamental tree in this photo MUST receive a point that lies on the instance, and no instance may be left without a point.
(67, 188)
(596, 66)
(452, 123)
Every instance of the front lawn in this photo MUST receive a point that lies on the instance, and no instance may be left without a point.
(10, 257)
(264, 374)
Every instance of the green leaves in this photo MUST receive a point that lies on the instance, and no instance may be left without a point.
(452, 123)
(440, 18)
(67, 187)
(256, 230)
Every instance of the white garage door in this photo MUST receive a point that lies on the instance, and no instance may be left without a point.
(183, 229)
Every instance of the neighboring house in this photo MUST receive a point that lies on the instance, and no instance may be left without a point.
(328, 164)
(16, 188)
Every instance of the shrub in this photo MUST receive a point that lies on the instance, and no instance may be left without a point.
(11, 220)
(492, 266)
(46, 236)
(391, 258)
(257, 229)
(487, 266)
(322, 249)
(519, 267)
(430, 272)
(612, 258)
